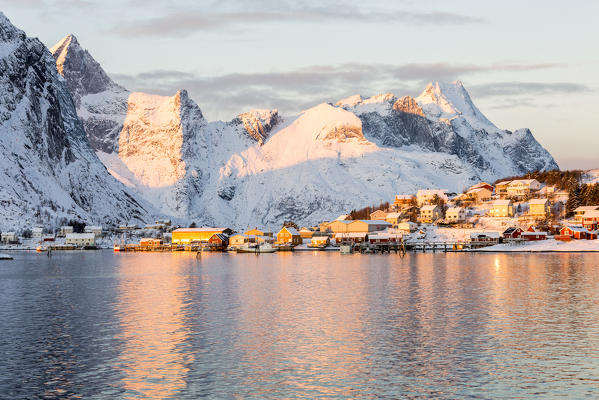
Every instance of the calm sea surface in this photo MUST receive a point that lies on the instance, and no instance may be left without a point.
(304, 325)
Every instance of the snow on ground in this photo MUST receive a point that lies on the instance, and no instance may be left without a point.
(549, 245)
(591, 176)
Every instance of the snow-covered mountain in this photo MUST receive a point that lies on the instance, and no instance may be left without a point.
(48, 171)
(261, 167)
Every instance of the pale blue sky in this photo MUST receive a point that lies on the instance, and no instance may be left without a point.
(526, 63)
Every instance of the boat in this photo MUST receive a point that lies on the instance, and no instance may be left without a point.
(257, 248)
(317, 247)
(5, 257)
(117, 248)
(41, 248)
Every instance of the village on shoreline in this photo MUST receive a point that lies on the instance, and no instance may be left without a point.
(510, 215)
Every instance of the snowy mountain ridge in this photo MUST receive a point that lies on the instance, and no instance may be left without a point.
(262, 168)
(48, 171)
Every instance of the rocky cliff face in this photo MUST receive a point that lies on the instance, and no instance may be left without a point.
(47, 169)
(261, 167)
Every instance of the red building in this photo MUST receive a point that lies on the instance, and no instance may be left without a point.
(219, 240)
(512, 233)
(533, 236)
(577, 232)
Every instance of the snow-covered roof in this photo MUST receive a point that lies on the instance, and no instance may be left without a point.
(351, 235)
(533, 233)
(379, 236)
(538, 201)
(404, 196)
(576, 228)
(454, 210)
(591, 214)
(477, 190)
(511, 229)
(291, 230)
(374, 222)
(394, 215)
(522, 181)
(8, 233)
(80, 236)
(204, 229)
(94, 227)
(586, 208)
(502, 202)
(342, 217)
(320, 237)
(494, 235)
(431, 192)
(429, 207)
(503, 183)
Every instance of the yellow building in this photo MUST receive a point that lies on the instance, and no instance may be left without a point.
(502, 208)
(394, 218)
(258, 232)
(539, 208)
(188, 235)
(289, 235)
(337, 226)
(378, 215)
(367, 225)
(317, 241)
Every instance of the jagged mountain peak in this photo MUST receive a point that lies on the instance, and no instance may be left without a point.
(258, 123)
(444, 101)
(83, 74)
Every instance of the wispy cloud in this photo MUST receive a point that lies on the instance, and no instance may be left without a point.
(242, 15)
(291, 91)
(504, 89)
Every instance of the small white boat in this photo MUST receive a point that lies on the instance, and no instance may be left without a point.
(257, 248)
(5, 257)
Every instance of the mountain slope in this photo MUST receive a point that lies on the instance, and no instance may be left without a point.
(47, 169)
(262, 168)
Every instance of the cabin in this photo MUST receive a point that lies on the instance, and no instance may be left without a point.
(430, 213)
(320, 241)
(590, 220)
(577, 232)
(289, 235)
(406, 227)
(258, 232)
(96, 230)
(426, 196)
(523, 187)
(394, 218)
(150, 242)
(539, 208)
(512, 233)
(80, 239)
(479, 195)
(455, 215)
(240, 239)
(306, 233)
(581, 211)
(502, 208)
(9, 237)
(485, 237)
(533, 236)
(219, 241)
(379, 238)
(378, 215)
(367, 225)
(403, 200)
(189, 235)
(62, 232)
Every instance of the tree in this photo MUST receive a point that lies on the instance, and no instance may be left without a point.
(193, 225)
(290, 224)
(573, 200)
(78, 226)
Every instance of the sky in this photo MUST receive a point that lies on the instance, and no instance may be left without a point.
(526, 64)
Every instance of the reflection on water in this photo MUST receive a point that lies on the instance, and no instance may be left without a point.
(151, 315)
(311, 325)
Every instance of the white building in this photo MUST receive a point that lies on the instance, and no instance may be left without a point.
(37, 232)
(426, 196)
(64, 230)
(455, 215)
(81, 239)
(523, 187)
(96, 230)
(9, 237)
(582, 210)
(430, 213)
